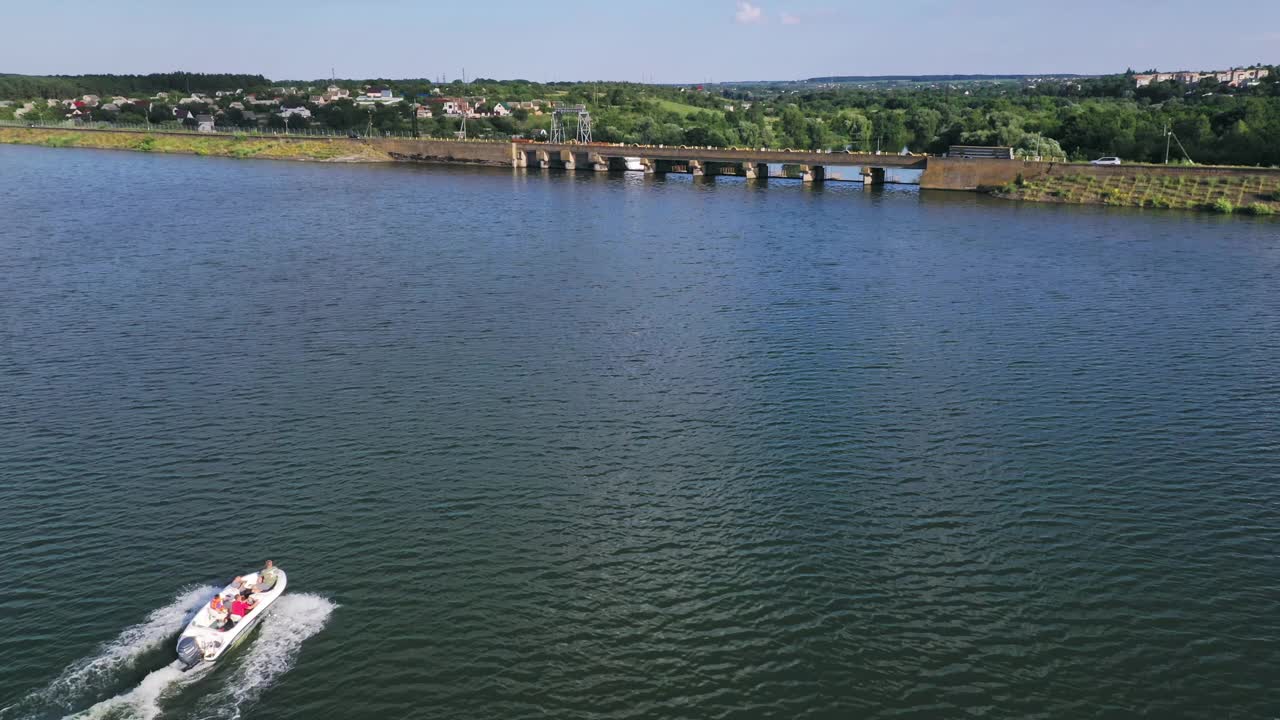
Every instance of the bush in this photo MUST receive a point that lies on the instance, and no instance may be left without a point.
(1259, 209)
(1222, 206)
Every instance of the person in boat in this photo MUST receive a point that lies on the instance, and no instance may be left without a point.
(218, 611)
(241, 606)
(267, 578)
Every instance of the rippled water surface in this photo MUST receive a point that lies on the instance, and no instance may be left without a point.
(614, 447)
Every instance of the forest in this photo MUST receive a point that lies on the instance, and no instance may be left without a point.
(1076, 118)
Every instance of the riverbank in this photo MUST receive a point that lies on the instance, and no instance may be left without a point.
(236, 146)
(1232, 190)
(1225, 190)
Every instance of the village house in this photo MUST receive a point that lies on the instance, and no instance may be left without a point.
(378, 95)
(204, 123)
(532, 106)
(333, 92)
(295, 112)
(501, 110)
(452, 107)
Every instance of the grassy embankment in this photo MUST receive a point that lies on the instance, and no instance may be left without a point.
(235, 146)
(1226, 194)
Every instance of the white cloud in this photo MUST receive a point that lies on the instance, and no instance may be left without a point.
(748, 13)
(789, 19)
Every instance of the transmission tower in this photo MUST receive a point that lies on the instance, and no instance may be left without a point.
(582, 119)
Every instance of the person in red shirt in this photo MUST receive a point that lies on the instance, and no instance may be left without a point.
(239, 608)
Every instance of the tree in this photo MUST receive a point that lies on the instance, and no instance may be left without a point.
(159, 113)
(792, 127)
(855, 128)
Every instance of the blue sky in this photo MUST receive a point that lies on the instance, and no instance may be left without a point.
(654, 40)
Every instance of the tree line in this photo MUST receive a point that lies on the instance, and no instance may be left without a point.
(1061, 117)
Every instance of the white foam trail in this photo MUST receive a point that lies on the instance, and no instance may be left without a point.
(85, 678)
(289, 622)
(142, 702)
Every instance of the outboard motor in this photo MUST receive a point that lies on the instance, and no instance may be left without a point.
(189, 652)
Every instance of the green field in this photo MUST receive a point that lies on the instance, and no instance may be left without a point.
(683, 109)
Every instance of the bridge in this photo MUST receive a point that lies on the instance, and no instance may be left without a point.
(805, 165)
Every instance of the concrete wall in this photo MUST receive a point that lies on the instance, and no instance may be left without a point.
(972, 174)
(447, 151)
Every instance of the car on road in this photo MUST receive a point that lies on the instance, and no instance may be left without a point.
(1106, 161)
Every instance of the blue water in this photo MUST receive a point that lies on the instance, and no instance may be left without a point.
(608, 446)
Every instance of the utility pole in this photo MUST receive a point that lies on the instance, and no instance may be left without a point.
(1166, 142)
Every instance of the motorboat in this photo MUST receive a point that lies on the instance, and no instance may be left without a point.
(208, 637)
(633, 164)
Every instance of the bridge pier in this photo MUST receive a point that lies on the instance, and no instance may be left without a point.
(813, 173)
(599, 163)
(568, 160)
(544, 159)
(695, 168)
(872, 176)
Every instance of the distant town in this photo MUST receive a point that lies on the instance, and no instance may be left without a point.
(1235, 77)
(281, 107)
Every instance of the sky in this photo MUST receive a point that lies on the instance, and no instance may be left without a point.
(664, 41)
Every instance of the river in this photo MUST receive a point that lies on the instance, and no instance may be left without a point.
(608, 446)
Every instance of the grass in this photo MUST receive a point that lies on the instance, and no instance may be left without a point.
(683, 109)
(68, 140)
(237, 146)
(1250, 194)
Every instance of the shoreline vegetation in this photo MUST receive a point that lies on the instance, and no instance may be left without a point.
(1227, 193)
(232, 146)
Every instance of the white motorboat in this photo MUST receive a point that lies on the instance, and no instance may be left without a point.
(633, 164)
(206, 638)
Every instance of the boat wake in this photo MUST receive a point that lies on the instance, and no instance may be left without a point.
(255, 667)
(142, 702)
(289, 622)
(89, 678)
